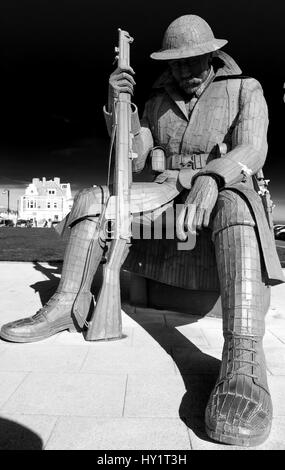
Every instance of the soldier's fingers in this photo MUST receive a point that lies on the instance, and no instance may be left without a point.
(199, 217)
(191, 219)
(127, 68)
(206, 220)
(124, 89)
(125, 76)
(118, 79)
(123, 82)
(180, 232)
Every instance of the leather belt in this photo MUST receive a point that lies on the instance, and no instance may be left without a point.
(194, 161)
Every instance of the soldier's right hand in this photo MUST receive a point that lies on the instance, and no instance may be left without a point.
(122, 81)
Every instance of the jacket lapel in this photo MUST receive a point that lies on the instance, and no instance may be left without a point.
(178, 100)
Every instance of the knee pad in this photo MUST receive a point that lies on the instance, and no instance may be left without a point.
(88, 204)
(231, 209)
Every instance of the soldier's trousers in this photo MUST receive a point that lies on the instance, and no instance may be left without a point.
(245, 298)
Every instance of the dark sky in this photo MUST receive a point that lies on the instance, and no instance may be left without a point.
(56, 56)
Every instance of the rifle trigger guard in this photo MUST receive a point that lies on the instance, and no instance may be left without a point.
(109, 229)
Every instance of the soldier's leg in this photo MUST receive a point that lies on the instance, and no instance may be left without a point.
(82, 257)
(239, 410)
(83, 254)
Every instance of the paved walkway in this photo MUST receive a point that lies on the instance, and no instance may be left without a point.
(65, 393)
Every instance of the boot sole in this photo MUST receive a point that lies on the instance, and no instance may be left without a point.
(238, 441)
(30, 339)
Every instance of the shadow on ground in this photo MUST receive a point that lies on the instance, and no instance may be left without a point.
(47, 287)
(14, 436)
(198, 370)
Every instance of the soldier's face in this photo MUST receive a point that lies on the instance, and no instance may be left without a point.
(190, 72)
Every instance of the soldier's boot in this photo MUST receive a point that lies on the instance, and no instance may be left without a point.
(82, 256)
(239, 410)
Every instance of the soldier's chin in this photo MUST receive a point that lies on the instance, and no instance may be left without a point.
(189, 89)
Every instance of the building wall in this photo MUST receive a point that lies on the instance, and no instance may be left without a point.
(44, 200)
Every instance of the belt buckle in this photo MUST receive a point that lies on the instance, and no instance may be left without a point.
(190, 163)
(193, 160)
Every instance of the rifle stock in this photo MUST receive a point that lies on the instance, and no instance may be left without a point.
(106, 322)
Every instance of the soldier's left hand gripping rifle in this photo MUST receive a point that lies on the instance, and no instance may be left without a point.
(106, 322)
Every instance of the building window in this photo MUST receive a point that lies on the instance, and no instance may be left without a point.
(51, 191)
(48, 205)
(31, 204)
(55, 205)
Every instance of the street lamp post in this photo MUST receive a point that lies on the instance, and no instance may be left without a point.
(17, 211)
(7, 191)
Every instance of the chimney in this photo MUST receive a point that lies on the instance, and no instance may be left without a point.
(44, 180)
(35, 181)
(57, 180)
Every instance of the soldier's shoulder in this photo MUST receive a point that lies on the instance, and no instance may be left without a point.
(156, 93)
(155, 98)
(250, 84)
(247, 82)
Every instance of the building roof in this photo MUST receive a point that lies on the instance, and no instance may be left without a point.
(42, 187)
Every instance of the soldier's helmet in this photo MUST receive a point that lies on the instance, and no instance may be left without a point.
(187, 36)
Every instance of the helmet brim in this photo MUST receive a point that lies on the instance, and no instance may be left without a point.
(183, 53)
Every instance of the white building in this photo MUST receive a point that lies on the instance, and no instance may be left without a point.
(46, 200)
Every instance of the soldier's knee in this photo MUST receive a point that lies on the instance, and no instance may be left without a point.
(86, 195)
(231, 209)
(88, 203)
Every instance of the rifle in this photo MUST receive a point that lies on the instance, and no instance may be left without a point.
(106, 322)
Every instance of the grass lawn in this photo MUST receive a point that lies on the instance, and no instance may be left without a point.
(44, 244)
(31, 244)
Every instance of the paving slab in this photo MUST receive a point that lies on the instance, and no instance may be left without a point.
(153, 396)
(194, 335)
(123, 434)
(119, 359)
(146, 391)
(275, 360)
(277, 389)
(9, 382)
(152, 338)
(214, 336)
(278, 333)
(158, 337)
(39, 357)
(69, 394)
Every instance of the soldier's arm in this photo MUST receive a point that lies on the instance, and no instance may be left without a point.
(249, 138)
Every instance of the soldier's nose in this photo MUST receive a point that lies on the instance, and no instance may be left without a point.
(185, 69)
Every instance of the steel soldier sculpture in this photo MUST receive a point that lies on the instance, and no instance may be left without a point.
(211, 123)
